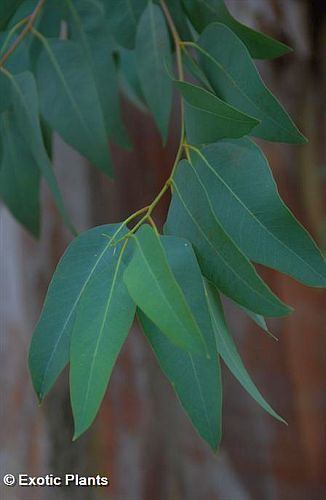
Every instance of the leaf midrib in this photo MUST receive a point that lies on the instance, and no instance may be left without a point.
(164, 296)
(100, 335)
(66, 87)
(69, 316)
(248, 285)
(269, 117)
(202, 156)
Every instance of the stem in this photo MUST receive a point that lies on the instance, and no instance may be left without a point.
(12, 31)
(24, 33)
(168, 184)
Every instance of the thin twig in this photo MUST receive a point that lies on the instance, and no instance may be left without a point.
(24, 32)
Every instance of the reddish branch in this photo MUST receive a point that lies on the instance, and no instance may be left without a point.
(24, 32)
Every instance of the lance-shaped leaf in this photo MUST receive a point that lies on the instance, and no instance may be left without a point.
(7, 9)
(235, 79)
(25, 105)
(260, 46)
(69, 100)
(80, 264)
(19, 59)
(123, 17)
(89, 28)
(103, 319)
(180, 20)
(221, 261)
(259, 320)
(195, 379)
(129, 80)
(209, 119)
(19, 175)
(154, 289)
(228, 351)
(153, 58)
(236, 175)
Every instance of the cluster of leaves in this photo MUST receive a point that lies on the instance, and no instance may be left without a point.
(65, 75)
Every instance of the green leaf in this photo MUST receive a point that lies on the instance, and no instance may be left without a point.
(89, 28)
(5, 94)
(19, 175)
(25, 103)
(235, 79)
(196, 379)
(179, 18)
(7, 9)
(260, 46)
(153, 57)
(227, 349)
(236, 175)
(154, 289)
(80, 265)
(221, 261)
(69, 100)
(209, 119)
(123, 17)
(129, 79)
(259, 320)
(103, 319)
(19, 59)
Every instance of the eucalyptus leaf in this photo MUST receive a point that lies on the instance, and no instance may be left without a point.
(195, 379)
(103, 318)
(153, 60)
(89, 28)
(25, 104)
(228, 351)
(123, 17)
(235, 79)
(154, 289)
(7, 9)
(204, 12)
(81, 263)
(209, 119)
(236, 175)
(221, 261)
(19, 175)
(69, 100)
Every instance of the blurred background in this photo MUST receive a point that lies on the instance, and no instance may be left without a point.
(141, 438)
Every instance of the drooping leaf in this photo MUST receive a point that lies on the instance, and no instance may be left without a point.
(69, 100)
(204, 12)
(5, 95)
(7, 9)
(88, 27)
(19, 175)
(154, 289)
(123, 17)
(104, 316)
(236, 175)
(259, 320)
(179, 17)
(209, 119)
(129, 80)
(227, 349)
(19, 59)
(25, 104)
(194, 71)
(235, 79)
(196, 379)
(221, 261)
(80, 265)
(153, 59)
(48, 22)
